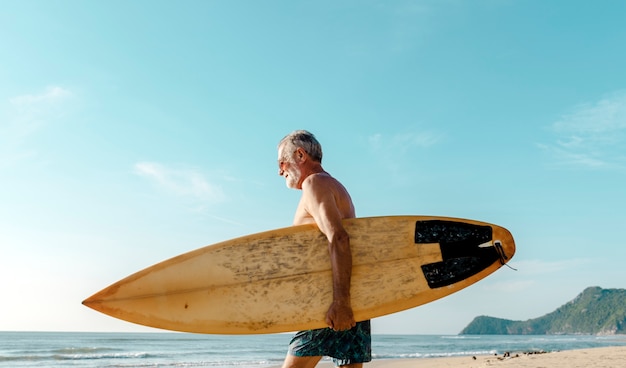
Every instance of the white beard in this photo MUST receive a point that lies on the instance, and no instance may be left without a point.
(293, 177)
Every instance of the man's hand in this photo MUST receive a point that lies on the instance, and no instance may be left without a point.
(340, 317)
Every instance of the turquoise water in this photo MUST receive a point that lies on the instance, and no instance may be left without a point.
(102, 350)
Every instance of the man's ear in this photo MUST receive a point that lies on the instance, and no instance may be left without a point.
(300, 154)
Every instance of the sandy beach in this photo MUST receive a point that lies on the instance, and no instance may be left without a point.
(610, 357)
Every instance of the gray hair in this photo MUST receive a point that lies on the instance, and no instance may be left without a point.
(305, 140)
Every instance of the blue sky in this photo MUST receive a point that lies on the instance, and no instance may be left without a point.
(131, 132)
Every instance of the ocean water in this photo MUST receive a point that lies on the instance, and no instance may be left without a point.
(102, 350)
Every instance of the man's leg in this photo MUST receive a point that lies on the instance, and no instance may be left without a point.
(292, 361)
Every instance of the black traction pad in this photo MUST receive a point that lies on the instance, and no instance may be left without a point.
(459, 243)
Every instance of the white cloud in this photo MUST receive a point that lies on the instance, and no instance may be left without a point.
(402, 142)
(395, 153)
(592, 135)
(52, 95)
(421, 139)
(181, 181)
(605, 116)
(26, 116)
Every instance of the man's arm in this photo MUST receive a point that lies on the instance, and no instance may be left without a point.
(321, 205)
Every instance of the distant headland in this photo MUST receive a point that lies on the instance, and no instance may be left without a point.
(595, 311)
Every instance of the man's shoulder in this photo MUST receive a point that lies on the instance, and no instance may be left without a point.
(322, 178)
(320, 183)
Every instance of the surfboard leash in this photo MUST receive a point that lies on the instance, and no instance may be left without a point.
(503, 257)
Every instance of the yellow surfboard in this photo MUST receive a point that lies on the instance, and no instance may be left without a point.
(280, 280)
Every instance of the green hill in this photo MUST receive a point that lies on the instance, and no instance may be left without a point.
(595, 311)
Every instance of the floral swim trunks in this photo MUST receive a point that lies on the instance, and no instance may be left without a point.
(344, 347)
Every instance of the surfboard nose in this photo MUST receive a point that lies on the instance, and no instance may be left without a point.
(88, 302)
(92, 302)
(98, 300)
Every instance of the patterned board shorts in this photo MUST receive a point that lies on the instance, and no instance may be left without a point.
(344, 347)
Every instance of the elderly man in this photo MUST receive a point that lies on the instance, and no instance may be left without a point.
(325, 202)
